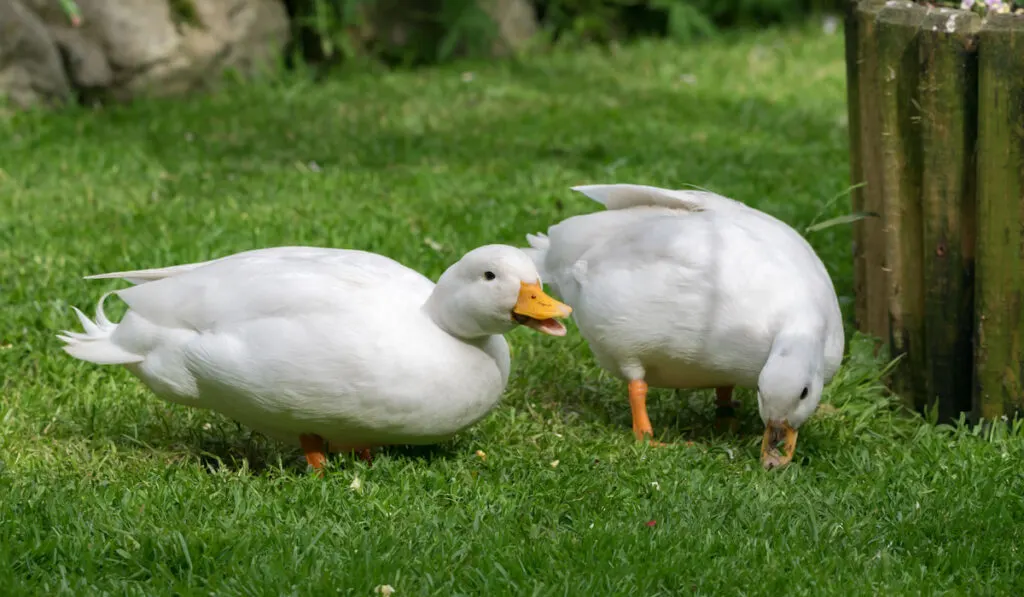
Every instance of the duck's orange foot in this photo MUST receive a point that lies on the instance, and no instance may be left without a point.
(647, 435)
(313, 445)
(365, 455)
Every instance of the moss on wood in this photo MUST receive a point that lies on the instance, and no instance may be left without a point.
(869, 232)
(1000, 172)
(896, 78)
(948, 90)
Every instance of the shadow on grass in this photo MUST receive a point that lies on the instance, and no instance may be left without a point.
(260, 455)
(677, 416)
(259, 458)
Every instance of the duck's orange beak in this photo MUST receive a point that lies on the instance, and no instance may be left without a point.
(775, 432)
(537, 310)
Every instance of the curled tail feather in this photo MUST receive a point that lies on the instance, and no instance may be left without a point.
(94, 344)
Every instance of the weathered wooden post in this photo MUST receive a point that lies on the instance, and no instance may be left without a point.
(936, 104)
(869, 244)
(948, 88)
(998, 389)
(852, 40)
(899, 152)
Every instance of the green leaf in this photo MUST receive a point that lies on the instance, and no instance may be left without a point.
(847, 219)
(70, 8)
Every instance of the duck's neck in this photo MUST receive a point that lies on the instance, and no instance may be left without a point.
(442, 307)
(794, 353)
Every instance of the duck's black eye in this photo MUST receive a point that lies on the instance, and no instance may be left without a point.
(488, 275)
(803, 394)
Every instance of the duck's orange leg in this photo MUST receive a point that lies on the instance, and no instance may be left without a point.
(638, 407)
(313, 446)
(365, 455)
(725, 409)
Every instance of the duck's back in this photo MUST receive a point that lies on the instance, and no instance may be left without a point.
(697, 294)
(268, 282)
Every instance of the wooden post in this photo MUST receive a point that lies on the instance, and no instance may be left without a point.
(851, 38)
(900, 149)
(868, 233)
(948, 99)
(1000, 174)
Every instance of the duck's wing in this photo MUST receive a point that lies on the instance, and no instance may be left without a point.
(269, 283)
(141, 276)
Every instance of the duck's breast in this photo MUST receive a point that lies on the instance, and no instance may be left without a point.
(361, 375)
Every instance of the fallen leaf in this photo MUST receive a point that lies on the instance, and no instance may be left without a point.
(554, 464)
(825, 410)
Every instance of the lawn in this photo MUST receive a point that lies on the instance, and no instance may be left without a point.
(106, 490)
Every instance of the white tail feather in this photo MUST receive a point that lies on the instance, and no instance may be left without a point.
(539, 240)
(141, 276)
(538, 251)
(94, 344)
(624, 196)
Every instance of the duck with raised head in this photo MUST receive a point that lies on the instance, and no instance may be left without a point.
(317, 346)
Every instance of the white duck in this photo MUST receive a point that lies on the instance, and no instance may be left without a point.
(308, 345)
(689, 289)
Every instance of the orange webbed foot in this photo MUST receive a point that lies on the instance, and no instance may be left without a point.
(313, 445)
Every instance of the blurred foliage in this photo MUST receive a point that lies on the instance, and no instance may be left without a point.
(683, 20)
(408, 32)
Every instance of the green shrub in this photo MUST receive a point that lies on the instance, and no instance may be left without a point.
(423, 31)
(603, 20)
(404, 32)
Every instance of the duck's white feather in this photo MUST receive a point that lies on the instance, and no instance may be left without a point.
(625, 196)
(94, 343)
(142, 276)
(298, 340)
(688, 289)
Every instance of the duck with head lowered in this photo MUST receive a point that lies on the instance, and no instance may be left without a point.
(317, 347)
(690, 289)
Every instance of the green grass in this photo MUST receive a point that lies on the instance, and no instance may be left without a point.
(106, 490)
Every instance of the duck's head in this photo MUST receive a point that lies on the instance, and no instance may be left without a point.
(491, 290)
(788, 392)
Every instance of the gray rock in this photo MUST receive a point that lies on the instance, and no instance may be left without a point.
(84, 59)
(516, 21)
(31, 71)
(129, 48)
